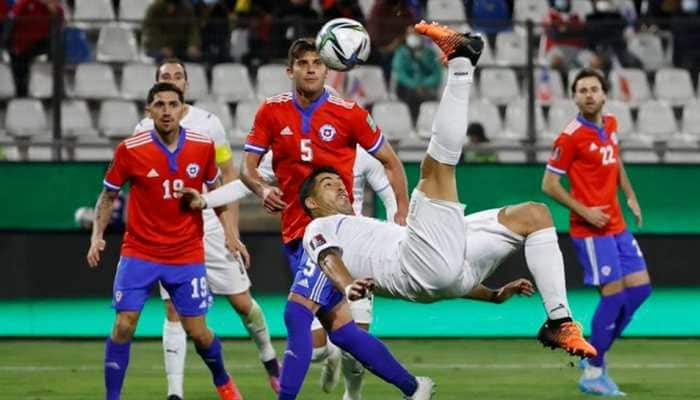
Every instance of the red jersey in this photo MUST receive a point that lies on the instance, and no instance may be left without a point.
(32, 24)
(324, 134)
(158, 229)
(589, 156)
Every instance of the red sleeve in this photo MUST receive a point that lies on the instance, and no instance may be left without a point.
(562, 155)
(365, 130)
(211, 169)
(118, 173)
(260, 136)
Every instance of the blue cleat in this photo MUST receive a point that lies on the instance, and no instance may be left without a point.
(600, 386)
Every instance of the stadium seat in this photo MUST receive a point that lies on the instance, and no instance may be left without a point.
(366, 6)
(516, 120)
(623, 114)
(486, 113)
(486, 57)
(548, 85)
(394, 118)
(638, 149)
(245, 115)
(581, 7)
(75, 119)
(647, 46)
(424, 124)
(137, 79)
(498, 85)
(26, 117)
(272, 80)
(372, 85)
(219, 109)
(92, 13)
(682, 149)
(533, 10)
(511, 48)
(690, 123)
(133, 10)
(95, 81)
(231, 83)
(630, 85)
(445, 10)
(673, 85)
(41, 80)
(198, 87)
(7, 83)
(561, 113)
(656, 120)
(116, 43)
(117, 118)
(88, 150)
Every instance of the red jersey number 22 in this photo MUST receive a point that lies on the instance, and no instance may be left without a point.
(307, 153)
(608, 154)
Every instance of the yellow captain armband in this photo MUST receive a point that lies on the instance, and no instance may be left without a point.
(223, 153)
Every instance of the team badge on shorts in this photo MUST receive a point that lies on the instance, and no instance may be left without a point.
(327, 132)
(192, 170)
(118, 296)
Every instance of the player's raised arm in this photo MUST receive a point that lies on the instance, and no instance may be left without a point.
(373, 172)
(334, 268)
(397, 178)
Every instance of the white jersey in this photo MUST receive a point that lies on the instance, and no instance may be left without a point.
(201, 121)
(368, 169)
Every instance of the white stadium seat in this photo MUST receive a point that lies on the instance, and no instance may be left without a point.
(673, 85)
(95, 81)
(41, 80)
(26, 117)
(486, 113)
(117, 118)
(197, 87)
(116, 43)
(499, 85)
(75, 119)
(533, 10)
(272, 80)
(445, 10)
(373, 85)
(690, 124)
(137, 79)
(656, 120)
(647, 46)
(231, 83)
(561, 113)
(93, 13)
(245, 116)
(7, 83)
(516, 120)
(133, 10)
(511, 48)
(90, 153)
(219, 109)
(623, 114)
(394, 119)
(636, 82)
(424, 124)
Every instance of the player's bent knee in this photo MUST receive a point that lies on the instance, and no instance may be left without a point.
(611, 288)
(124, 326)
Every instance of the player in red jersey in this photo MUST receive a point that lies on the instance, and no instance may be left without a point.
(309, 128)
(587, 151)
(163, 241)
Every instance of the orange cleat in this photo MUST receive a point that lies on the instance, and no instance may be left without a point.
(229, 391)
(568, 337)
(452, 43)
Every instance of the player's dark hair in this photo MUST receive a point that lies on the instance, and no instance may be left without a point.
(309, 185)
(587, 73)
(164, 87)
(299, 48)
(171, 60)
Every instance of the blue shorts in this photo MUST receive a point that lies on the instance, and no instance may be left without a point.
(311, 283)
(294, 251)
(608, 258)
(186, 284)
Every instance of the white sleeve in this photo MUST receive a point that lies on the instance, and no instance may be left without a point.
(217, 131)
(228, 193)
(320, 235)
(374, 173)
(144, 125)
(265, 168)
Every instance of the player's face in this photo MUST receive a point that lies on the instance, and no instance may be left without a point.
(589, 96)
(330, 195)
(175, 74)
(308, 73)
(166, 109)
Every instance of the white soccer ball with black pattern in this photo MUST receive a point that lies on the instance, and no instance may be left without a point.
(343, 43)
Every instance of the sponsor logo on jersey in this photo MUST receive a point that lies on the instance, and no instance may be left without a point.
(593, 147)
(152, 173)
(192, 170)
(286, 131)
(317, 241)
(327, 132)
(613, 137)
(371, 123)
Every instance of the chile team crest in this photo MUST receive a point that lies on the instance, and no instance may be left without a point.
(192, 170)
(327, 133)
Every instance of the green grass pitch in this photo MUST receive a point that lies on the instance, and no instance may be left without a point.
(463, 369)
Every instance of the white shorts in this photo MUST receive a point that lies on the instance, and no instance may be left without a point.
(226, 273)
(433, 253)
(361, 311)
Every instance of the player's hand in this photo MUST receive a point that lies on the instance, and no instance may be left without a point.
(192, 198)
(272, 199)
(97, 245)
(359, 289)
(400, 217)
(519, 286)
(636, 210)
(596, 216)
(235, 246)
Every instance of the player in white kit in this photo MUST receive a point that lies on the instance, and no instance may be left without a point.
(440, 254)
(226, 258)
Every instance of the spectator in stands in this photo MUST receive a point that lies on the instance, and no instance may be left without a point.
(292, 19)
(489, 16)
(342, 9)
(170, 29)
(386, 25)
(686, 36)
(417, 72)
(477, 136)
(29, 35)
(216, 31)
(564, 45)
(605, 32)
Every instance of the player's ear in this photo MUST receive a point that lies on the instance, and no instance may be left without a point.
(310, 203)
(289, 72)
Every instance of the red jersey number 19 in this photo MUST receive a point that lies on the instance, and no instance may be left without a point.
(307, 153)
(172, 190)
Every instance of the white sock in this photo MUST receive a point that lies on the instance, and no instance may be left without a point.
(175, 350)
(592, 372)
(257, 329)
(450, 122)
(353, 372)
(319, 354)
(546, 263)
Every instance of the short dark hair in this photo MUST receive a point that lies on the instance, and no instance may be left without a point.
(587, 73)
(164, 87)
(299, 48)
(171, 60)
(309, 184)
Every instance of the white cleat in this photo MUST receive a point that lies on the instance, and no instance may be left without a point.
(426, 389)
(330, 371)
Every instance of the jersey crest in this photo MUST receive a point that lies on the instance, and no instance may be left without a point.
(327, 132)
(192, 170)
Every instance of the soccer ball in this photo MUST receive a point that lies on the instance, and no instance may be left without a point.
(343, 43)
